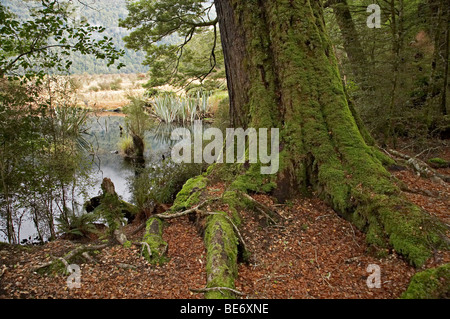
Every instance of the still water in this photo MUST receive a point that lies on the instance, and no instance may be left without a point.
(107, 161)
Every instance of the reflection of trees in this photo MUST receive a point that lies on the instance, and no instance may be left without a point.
(163, 132)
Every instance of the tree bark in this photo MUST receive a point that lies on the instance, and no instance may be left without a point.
(221, 259)
(155, 247)
(282, 73)
(352, 45)
(436, 104)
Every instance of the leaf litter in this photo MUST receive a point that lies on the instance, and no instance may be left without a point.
(311, 254)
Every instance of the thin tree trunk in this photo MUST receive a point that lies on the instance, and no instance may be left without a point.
(436, 103)
(352, 45)
(397, 42)
(446, 57)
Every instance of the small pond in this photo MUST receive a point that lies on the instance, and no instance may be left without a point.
(108, 162)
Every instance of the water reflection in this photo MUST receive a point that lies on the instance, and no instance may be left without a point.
(106, 160)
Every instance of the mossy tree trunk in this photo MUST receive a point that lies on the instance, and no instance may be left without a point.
(282, 72)
(113, 209)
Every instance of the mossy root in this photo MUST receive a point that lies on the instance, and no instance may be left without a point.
(154, 247)
(221, 265)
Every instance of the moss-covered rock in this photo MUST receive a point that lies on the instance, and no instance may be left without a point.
(430, 284)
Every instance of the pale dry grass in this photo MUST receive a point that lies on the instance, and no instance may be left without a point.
(94, 91)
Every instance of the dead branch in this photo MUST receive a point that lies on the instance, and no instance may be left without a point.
(88, 257)
(423, 192)
(203, 290)
(126, 266)
(71, 254)
(192, 210)
(419, 166)
(3, 270)
(266, 211)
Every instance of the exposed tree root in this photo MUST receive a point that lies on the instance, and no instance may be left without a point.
(66, 259)
(221, 260)
(220, 289)
(263, 209)
(419, 166)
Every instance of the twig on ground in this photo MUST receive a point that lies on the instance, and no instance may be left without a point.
(203, 290)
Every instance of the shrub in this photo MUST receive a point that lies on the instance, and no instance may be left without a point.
(77, 227)
(116, 85)
(126, 145)
(161, 183)
(94, 88)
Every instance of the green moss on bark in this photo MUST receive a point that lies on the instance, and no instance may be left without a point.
(190, 193)
(295, 85)
(153, 238)
(430, 284)
(221, 262)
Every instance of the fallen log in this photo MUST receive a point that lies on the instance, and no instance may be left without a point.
(219, 289)
(154, 247)
(221, 260)
(422, 168)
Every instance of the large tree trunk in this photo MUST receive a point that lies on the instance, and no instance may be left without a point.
(282, 72)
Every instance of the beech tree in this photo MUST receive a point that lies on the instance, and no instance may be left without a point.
(282, 72)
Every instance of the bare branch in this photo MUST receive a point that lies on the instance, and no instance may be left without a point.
(203, 290)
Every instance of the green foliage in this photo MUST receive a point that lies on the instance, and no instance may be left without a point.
(171, 108)
(40, 160)
(43, 42)
(78, 226)
(103, 13)
(137, 120)
(161, 183)
(126, 145)
(399, 90)
(110, 210)
(194, 52)
(438, 162)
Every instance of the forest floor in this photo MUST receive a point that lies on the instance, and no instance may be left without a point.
(312, 253)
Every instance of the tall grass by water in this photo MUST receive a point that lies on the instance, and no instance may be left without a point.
(170, 108)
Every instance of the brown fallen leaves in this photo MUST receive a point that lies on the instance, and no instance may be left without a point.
(109, 278)
(316, 254)
(311, 253)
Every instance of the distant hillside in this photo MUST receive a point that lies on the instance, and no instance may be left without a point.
(100, 12)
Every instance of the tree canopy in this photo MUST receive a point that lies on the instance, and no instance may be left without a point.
(194, 53)
(46, 41)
